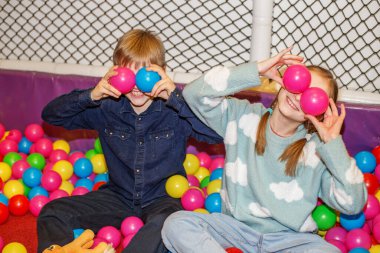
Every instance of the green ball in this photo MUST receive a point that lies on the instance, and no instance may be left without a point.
(98, 146)
(205, 182)
(90, 153)
(36, 160)
(11, 158)
(324, 216)
(26, 188)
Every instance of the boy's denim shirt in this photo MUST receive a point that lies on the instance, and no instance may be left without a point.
(141, 151)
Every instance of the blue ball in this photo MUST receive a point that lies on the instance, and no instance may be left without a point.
(350, 222)
(32, 177)
(101, 177)
(216, 174)
(145, 80)
(359, 250)
(365, 161)
(83, 167)
(213, 203)
(84, 182)
(3, 199)
(77, 232)
(38, 190)
(24, 145)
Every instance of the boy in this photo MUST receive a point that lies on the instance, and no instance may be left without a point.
(143, 138)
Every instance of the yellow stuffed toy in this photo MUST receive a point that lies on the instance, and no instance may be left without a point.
(82, 244)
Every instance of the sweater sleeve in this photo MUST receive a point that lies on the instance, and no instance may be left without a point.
(208, 95)
(342, 184)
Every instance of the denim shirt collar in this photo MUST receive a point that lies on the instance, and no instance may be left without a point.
(156, 106)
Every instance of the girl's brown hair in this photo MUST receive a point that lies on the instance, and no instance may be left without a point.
(294, 151)
(140, 47)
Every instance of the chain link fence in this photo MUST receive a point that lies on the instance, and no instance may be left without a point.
(198, 34)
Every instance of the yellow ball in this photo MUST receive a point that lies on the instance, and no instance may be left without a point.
(375, 249)
(377, 195)
(61, 144)
(322, 233)
(214, 186)
(191, 164)
(201, 210)
(14, 247)
(176, 186)
(13, 187)
(99, 164)
(64, 168)
(67, 186)
(6, 133)
(201, 173)
(5, 171)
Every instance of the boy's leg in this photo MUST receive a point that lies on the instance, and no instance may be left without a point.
(293, 242)
(93, 211)
(195, 232)
(148, 239)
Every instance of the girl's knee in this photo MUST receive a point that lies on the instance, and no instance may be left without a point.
(176, 221)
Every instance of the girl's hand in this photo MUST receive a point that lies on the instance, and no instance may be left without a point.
(332, 123)
(104, 89)
(164, 87)
(269, 67)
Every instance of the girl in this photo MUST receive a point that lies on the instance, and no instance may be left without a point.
(279, 161)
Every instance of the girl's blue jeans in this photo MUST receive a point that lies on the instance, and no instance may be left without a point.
(188, 232)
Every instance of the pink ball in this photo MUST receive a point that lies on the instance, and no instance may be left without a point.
(92, 176)
(340, 245)
(57, 155)
(14, 135)
(314, 101)
(34, 132)
(80, 190)
(110, 234)
(48, 166)
(131, 225)
(296, 79)
(36, 204)
(204, 159)
(358, 238)
(75, 156)
(337, 234)
(377, 172)
(58, 194)
(192, 199)
(127, 240)
(371, 208)
(193, 180)
(2, 131)
(124, 81)
(7, 146)
(44, 147)
(98, 240)
(376, 232)
(51, 180)
(18, 168)
(216, 163)
(73, 179)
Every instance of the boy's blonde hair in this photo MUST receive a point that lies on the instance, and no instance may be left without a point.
(140, 47)
(294, 151)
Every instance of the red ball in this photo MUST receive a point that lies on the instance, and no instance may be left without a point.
(4, 213)
(34, 132)
(14, 135)
(2, 131)
(44, 146)
(296, 79)
(234, 250)
(18, 205)
(7, 146)
(376, 153)
(371, 183)
(97, 185)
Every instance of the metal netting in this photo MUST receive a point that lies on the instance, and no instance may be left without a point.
(198, 34)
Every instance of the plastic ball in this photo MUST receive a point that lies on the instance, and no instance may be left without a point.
(234, 250)
(51, 180)
(296, 78)
(314, 101)
(73, 157)
(12, 188)
(67, 187)
(205, 182)
(90, 153)
(57, 155)
(98, 146)
(216, 163)
(336, 233)
(365, 161)
(3, 199)
(80, 190)
(191, 164)
(77, 232)
(193, 180)
(99, 164)
(101, 177)
(63, 145)
(37, 203)
(372, 207)
(84, 182)
(44, 146)
(5, 171)
(126, 240)
(204, 159)
(36, 160)
(201, 173)
(375, 249)
(97, 185)
(18, 168)
(214, 186)
(358, 238)
(11, 158)
(131, 225)
(213, 203)
(64, 168)
(350, 222)
(37, 191)
(7, 146)
(359, 250)
(145, 80)
(58, 194)
(216, 174)
(83, 167)
(34, 132)
(201, 210)
(2, 131)
(324, 216)
(14, 135)
(14, 247)
(371, 183)
(24, 145)
(124, 80)
(176, 186)
(32, 177)
(110, 234)
(340, 245)
(18, 205)
(4, 213)
(192, 199)
(376, 152)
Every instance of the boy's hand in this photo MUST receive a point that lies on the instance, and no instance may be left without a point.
(164, 87)
(104, 89)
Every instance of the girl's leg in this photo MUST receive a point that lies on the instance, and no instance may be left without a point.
(93, 211)
(292, 242)
(195, 232)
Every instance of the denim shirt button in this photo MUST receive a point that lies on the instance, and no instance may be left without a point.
(137, 171)
(139, 118)
(141, 143)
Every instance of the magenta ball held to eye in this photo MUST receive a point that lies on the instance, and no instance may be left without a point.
(296, 79)
(314, 101)
(124, 81)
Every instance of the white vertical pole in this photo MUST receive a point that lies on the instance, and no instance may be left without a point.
(261, 29)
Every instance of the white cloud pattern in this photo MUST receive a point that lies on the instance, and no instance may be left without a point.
(259, 211)
(214, 102)
(217, 78)
(230, 137)
(226, 200)
(288, 191)
(340, 195)
(310, 156)
(309, 225)
(353, 174)
(249, 123)
(237, 172)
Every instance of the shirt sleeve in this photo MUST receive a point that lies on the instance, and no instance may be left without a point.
(208, 96)
(342, 184)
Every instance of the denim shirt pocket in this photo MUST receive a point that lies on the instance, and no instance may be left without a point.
(162, 142)
(119, 141)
